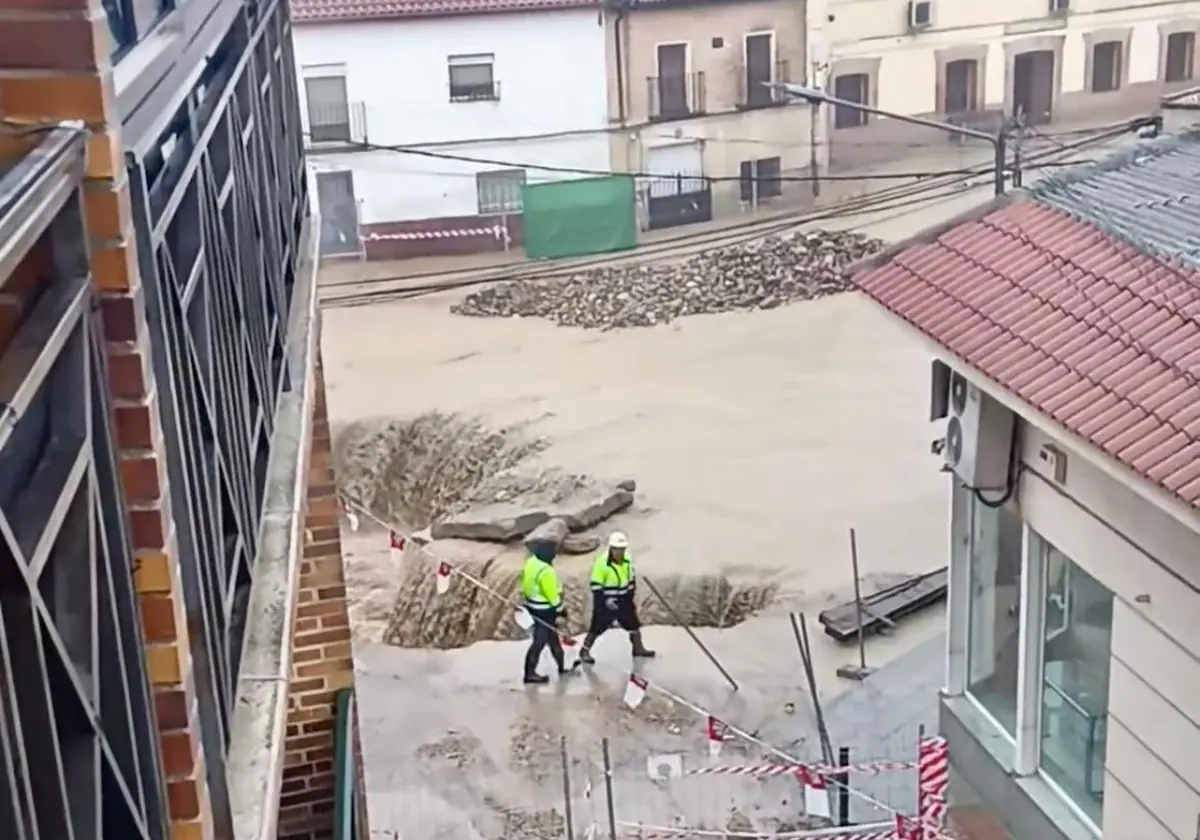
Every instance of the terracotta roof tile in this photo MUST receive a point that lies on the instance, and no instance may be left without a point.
(329, 11)
(1087, 329)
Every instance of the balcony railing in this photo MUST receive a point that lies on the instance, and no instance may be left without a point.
(78, 752)
(333, 125)
(476, 92)
(752, 88)
(676, 97)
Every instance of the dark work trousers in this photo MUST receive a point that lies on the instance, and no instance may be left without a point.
(544, 636)
(603, 618)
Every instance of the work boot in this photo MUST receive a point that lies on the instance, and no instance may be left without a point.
(585, 652)
(640, 651)
(536, 679)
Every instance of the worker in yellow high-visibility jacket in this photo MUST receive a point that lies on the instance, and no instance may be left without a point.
(614, 586)
(543, 601)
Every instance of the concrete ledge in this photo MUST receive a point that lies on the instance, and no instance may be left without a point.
(255, 762)
(981, 758)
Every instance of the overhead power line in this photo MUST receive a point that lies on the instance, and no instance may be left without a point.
(606, 173)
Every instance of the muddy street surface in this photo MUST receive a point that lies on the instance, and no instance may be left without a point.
(757, 439)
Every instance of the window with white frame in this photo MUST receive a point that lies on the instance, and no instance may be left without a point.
(1036, 630)
(328, 107)
(993, 633)
(1076, 651)
(499, 191)
(473, 78)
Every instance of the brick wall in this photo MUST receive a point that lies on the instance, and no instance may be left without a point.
(54, 65)
(321, 657)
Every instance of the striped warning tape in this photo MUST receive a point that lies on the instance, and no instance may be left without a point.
(453, 233)
(872, 832)
(870, 768)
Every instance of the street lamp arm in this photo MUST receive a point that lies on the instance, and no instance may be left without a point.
(816, 97)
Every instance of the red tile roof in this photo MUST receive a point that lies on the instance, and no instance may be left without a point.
(1084, 328)
(329, 11)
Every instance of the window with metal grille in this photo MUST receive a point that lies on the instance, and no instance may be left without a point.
(328, 109)
(473, 78)
(499, 191)
(1106, 66)
(853, 87)
(1180, 58)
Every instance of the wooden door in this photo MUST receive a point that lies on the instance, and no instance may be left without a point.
(672, 79)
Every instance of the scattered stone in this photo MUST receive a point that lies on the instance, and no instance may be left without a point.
(586, 513)
(627, 484)
(580, 544)
(492, 523)
(552, 531)
(764, 274)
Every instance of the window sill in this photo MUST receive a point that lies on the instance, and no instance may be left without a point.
(1046, 800)
(460, 99)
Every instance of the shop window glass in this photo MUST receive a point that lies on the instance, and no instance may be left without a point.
(993, 648)
(1075, 673)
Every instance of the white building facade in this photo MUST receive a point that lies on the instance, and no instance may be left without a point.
(1066, 63)
(473, 95)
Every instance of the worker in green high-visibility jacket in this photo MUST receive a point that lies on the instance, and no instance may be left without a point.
(614, 586)
(543, 601)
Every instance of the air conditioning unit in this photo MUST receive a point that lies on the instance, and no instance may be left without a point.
(1060, 7)
(979, 434)
(920, 14)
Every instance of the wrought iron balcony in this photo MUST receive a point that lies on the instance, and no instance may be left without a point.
(752, 86)
(78, 754)
(676, 97)
(344, 124)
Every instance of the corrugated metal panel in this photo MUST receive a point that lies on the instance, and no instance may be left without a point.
(1148, 197)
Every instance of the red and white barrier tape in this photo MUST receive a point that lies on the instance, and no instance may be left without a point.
(496, 231)
(766, 770)
(933, 773)
(848, 833)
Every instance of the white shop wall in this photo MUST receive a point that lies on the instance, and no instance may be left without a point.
(1151, 563)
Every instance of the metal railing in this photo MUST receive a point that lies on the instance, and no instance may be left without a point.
(220, 201)
(676, 97)
(752, 90)
(347, 792)
(79, 755)
(342, 124)
(478, 92)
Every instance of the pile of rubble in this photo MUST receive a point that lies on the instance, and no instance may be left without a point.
(765, 274)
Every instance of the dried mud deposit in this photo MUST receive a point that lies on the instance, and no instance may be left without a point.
(419, 472)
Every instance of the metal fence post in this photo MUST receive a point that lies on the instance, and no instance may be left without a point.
(566, 768)
(843, 805)
(608, 790)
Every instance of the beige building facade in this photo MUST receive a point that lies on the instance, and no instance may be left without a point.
(1063, 64)
(688, 98)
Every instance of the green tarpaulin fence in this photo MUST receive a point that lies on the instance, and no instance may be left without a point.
(574, 218)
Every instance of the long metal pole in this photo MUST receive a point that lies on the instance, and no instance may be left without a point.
(858, 604)
(998, 141)
(818, 96)
(692, 633)
(567, 810)
(608, 790)
(1001, 143)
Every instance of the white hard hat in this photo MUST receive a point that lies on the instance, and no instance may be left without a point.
(618, 540)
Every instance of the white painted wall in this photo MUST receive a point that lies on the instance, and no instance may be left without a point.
(907, 74)
(1151, 562)
(552, 108)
